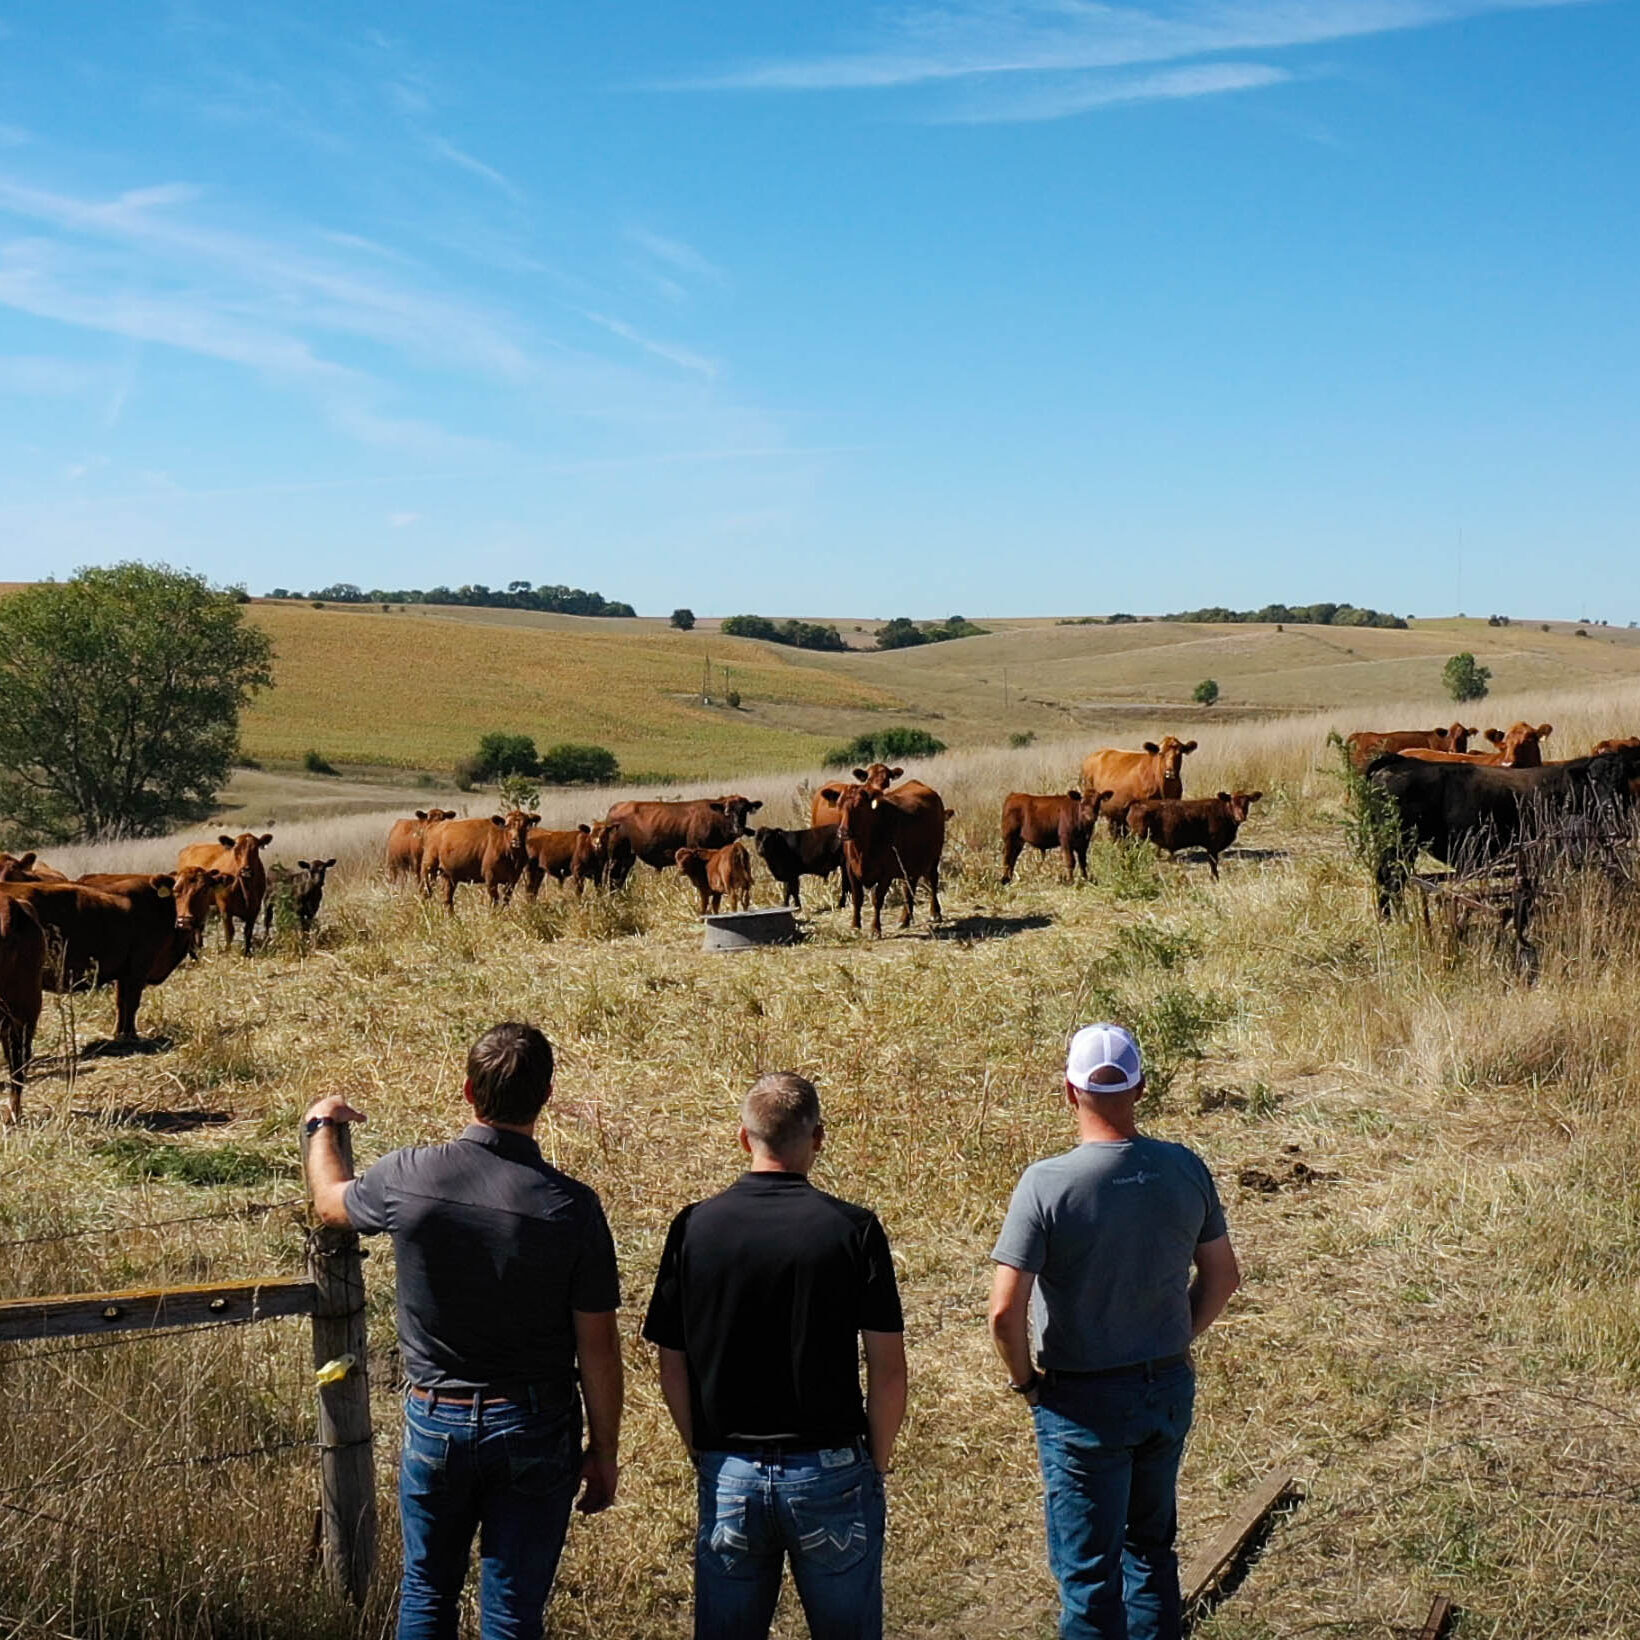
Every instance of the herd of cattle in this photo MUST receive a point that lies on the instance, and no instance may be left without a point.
(132, 931)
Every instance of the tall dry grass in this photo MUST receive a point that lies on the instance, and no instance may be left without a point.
(1438, 1326)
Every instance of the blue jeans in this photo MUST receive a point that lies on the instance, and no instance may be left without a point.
(824, 1509)
(506, 1472)
(1110, 1450)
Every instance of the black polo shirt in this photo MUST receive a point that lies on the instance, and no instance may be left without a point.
(766, 1289)
(494, 1249)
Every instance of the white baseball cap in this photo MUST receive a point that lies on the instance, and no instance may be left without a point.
(1104, 1048)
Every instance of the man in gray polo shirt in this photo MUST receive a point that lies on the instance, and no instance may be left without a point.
(507, 1294)
(1095, 1258)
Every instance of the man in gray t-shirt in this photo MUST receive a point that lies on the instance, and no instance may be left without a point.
(1095, 1259)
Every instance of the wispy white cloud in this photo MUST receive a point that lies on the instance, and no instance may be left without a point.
(1063, 95)
(929, 44)
(685, 358)
(674, 253)
(447, 150)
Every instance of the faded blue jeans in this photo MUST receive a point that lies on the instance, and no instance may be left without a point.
(823, 1509)
(1110, 1450)
(506, 1472)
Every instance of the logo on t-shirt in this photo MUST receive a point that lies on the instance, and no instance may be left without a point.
(1141, 1177)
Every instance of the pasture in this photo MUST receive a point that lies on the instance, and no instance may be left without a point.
(1430, 1172)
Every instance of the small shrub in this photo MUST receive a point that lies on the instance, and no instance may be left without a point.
(315, 762)
(466, 774)
(1126, 870)
(1580, 633)
(501, 754)
(683, 620)
(1022, 738)
(318, 603)
(1206, 692)
(732, 700)
(1465, 678)
(570, 765)
(884, 746)
(519, 791)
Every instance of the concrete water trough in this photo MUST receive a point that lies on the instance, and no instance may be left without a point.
(741, 930)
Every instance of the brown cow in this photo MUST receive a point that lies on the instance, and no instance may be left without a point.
(22, 975)
(823, 809)
(1520, 748)
(405, 839)
(654, 832)
(578, 856)
(128, 931)
(717, 872)
(890, 837)
(1209, 823)
(1135, 777)
(239, 859)
(1619, 744)
(1064, 821)
(1366, 745)
(491, 851)
(28, 868)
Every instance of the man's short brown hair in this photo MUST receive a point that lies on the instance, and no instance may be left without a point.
(781, 1111)
(510, 1069)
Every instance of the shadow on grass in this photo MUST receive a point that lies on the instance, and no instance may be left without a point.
(157, 1121)
(130, 1047)
(980, 927)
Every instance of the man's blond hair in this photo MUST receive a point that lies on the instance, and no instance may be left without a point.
(780, 1111)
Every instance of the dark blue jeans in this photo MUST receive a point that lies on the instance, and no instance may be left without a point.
(1110, 1450)
(823, 1509)
(505, 1472)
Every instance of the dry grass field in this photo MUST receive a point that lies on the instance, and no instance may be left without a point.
(1439, 1224)
(414, 690)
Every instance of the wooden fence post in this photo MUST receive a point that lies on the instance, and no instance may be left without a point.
(346, 1455)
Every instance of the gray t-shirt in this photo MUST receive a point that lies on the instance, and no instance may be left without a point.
(1110, 1231)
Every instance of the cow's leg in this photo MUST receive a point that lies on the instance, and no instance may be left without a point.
(532, 882)
(910, 901)
(844, 890)
(17, 1036)
(1117, 821)
(1082, 857)
(1213, 865)
(1011, 849)
(1067, 853)
(127, 999)
(250, 926)
(879, 893)
(449, 893)
(934, 895)
(858, 893)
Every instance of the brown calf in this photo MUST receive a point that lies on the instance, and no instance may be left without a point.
(1367, 745)
(239, 859)
(1064, 821)
(1209, 823)
(578, 856)
(719, 872)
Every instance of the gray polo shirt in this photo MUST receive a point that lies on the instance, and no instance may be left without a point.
(495, 1248)
(1110, 1231)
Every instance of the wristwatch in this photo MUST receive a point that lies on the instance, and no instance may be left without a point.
(1033, 1382)
(314, 1123)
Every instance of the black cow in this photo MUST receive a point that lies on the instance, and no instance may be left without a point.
(303, 888)
(816, 851)
(1468, 813)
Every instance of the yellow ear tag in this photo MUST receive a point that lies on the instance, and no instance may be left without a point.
(333, 1372)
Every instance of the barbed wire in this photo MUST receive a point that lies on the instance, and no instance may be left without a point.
(193, 1460)
(136, 1335)
(243, 1210)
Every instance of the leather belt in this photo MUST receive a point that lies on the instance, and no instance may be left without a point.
(447, 1398)
(1133, 1369)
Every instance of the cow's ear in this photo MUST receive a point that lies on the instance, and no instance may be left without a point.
(1074, 796)
(1105, 797)
(264, 839)
(1471, 731)
(716, 808)
(225, 840)
(1152, 747)
(1253, 797)
(752, 808)
(831, 794)
(1496, 736)
(421, 814)
(165, 887)
(950, 814)
(327, 864)
(533, 819)
(27, 860)
(498, 820)
(1545, 730)
(860, 775)
(586, 829)
(1189, 746)
(302, 865)
(1225, 797)
(894, 774)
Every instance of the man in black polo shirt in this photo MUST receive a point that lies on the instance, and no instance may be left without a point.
(761, 1298)
(507, 1294)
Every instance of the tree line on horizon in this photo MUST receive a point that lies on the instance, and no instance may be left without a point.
(543, 599)
(1290, 614)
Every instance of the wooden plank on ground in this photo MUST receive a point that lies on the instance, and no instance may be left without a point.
(1439, 1619)
(75, 1315)
(1207, 1567)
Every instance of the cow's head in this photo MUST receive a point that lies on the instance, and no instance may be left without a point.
(316, 870)
(877, 776)
(516, 827)
(1522, 745)
(17, 868)
(1088, 805)
(859, 812)
(192, 890)
(247, 847)
(1456, 738)
(692, 863)
(1239, 803)
(1172, 753)
(735, 810)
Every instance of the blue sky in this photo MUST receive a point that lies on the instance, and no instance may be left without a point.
(999, 308)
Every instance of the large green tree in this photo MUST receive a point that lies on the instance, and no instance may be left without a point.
(120, 694)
